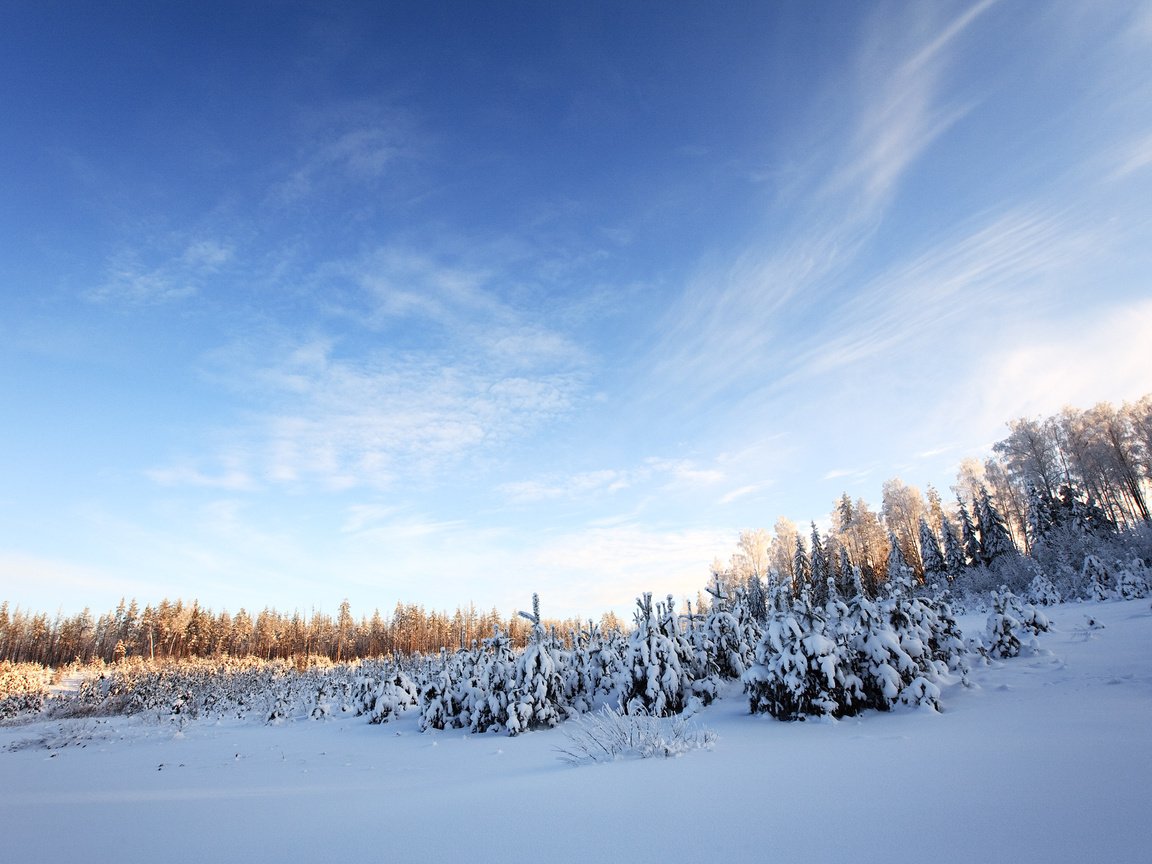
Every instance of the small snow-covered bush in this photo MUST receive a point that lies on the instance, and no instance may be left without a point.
(1010, 621)
(1132, 579)
(23, 688)
(608, 735)
(1097, 578)
(1041, 590)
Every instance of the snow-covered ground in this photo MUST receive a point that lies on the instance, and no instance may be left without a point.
(1048, 758)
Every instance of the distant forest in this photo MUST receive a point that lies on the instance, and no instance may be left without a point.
(1063, 499)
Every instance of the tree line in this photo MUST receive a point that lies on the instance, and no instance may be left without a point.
(1054, 492)
(179, 630)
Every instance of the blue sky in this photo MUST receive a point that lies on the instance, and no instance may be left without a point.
(443, 302)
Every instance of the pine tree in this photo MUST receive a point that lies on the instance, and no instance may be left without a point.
(930, 555)
(1002, 632)
(818, 556)
(845, 575)
(801, 566)
(954, 560)
(800, 668)
(995, 539)
(968, 537)
(537, 698)
(882, 666)
(495, 677)
(757, 599)
(654, 680)
(898, 573)
(1041, 515)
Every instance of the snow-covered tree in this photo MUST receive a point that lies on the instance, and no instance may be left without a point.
(654, 680)
(537, 697)
(931, 557)
(968, 537)
(801, 670)
(818, 556)
(954, 557)
(995, 538)
(801, 565)
(899, 574)
(1094, 574)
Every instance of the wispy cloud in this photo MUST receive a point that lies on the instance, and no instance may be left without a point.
(363, 420)
(464, 374)
(897, 120)
(574, 486)
(348, 144)
(21, 574)
(130, 281)
(1132, 157)
(741, 492)
(728, 328)
(837, 473)
(1004, 264)
(234, 479)
(651, 475)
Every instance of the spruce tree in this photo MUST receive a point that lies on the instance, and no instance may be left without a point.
(818, 556)
(898, 573)
(757, 602)
(654, 680)
(537, 699)
(800, 669)
(801, 566)
(968, 537)
(954, 559)
(930, 555)
(995, 538)
(845, 577)
(1041, 515)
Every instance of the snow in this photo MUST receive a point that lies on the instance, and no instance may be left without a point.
(1047, 758)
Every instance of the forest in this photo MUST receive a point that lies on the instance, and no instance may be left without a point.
(1054, 494)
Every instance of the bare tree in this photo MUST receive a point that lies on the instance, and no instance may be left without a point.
(902, 508)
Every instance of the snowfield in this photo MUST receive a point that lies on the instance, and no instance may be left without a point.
(1047, 758)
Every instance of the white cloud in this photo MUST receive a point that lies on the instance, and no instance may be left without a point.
(131, 282)
(725, 331)
(741, 492)
(341, 420)
(1104, 355)
(573, 486)
(1010, 264)
(684, 473)
(1131, 157)
(651, 475)
(348, 144)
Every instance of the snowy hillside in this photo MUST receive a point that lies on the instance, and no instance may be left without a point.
(1047, 758)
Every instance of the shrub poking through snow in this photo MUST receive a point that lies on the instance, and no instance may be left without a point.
(610, 734)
